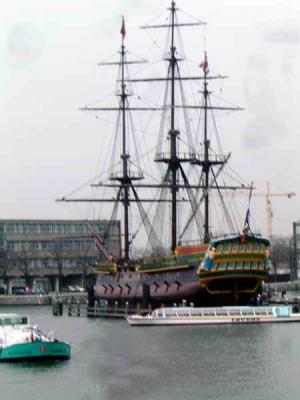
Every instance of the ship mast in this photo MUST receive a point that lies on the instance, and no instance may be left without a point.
(124, 180)
(206, 164)
(173, 164)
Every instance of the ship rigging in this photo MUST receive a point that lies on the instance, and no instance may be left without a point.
(127, 181)
(223, 270)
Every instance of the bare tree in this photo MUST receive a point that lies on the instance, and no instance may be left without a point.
(57, 253)
(4, 267)
(24, 265)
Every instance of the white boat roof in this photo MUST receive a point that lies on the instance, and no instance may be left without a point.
(11, 315)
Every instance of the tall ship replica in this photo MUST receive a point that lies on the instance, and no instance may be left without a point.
(197, 247)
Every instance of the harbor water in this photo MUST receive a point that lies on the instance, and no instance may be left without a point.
(111, 360)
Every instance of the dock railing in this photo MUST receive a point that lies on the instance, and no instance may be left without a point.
(98, 310)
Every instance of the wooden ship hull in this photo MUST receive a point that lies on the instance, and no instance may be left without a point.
(234, 277)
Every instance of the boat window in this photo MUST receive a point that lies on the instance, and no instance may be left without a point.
(239, 265)
(183, 313)
(196, 312)
(225, 247)
(170, 313)
(230, 265)
(254, 265)
(247, 312)
(247, 264)
(235, 247)
(221, 313)
(249, 246)
(234, 312)
(242, 248)
(262, 247)
(221, 266)
(209, 313)
(14, 321)
(255, 246)
(219, 248)
(261, 312)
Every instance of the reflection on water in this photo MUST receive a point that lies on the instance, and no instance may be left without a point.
(111, 360)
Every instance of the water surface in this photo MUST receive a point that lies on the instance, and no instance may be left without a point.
(111, 360)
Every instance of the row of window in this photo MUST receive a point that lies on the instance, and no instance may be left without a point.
(297, 228)
(189, 312)
(21, 228)
(51, 263)
(36, 246)
(239, 247)
(240, 265)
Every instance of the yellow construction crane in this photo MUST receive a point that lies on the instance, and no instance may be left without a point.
(268, 194)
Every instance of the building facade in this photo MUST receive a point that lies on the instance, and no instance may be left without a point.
(28, 246)
(295, 264)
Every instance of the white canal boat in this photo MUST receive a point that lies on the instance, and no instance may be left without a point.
(220, 315)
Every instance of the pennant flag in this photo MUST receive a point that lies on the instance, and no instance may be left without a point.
(247, 219)
(204, 65)
(123, 29)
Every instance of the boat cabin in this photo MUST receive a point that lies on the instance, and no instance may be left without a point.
(13, 319)
(227, 312)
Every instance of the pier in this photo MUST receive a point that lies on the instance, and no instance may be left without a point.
(79, 309)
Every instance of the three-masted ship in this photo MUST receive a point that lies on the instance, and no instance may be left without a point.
(227, 269)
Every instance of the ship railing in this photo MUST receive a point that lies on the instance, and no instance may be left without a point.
(186, 243)
(103, 309)
(183, 156)
(131, 174)
(190, 156)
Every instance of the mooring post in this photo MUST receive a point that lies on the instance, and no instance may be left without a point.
(54, 307)
(78, 308)
(69, 308)
(126, 307)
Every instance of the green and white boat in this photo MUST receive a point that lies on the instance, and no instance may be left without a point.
(20, 340)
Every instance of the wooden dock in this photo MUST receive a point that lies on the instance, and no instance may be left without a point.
(79, 309)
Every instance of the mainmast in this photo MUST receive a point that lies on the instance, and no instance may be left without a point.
(124, 180)
(173, 165)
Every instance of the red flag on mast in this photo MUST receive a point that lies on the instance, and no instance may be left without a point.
(123, 29)
(204, 64)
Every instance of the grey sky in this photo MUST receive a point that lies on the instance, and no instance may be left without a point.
(49, 51)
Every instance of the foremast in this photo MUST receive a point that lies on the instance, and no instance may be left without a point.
(207, 163)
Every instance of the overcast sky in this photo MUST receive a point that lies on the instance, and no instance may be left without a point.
(49, 51)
